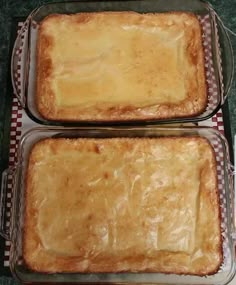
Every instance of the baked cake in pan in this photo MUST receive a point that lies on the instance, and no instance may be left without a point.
(120, 66)
(122, 205)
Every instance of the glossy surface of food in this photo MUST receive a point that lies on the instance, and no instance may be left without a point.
(120, 66)
(120, 204)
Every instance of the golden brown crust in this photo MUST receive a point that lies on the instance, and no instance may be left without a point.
(103, 205)
(125, 77)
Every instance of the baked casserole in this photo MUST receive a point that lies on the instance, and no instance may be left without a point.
(120, 66)
(122, 205)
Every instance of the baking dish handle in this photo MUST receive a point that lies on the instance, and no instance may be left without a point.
(224, 57)
(232, 184)
(5, 228)
(19, 64)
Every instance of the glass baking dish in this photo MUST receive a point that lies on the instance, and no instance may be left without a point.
(216, 42)
(12, 229)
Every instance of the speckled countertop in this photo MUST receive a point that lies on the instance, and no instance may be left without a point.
(21, 8)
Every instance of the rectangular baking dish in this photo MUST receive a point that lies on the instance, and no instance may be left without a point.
(14, 231)
(216, 42)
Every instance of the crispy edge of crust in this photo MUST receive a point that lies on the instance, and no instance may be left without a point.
(220, 248)
(29, 210)
(45, 97)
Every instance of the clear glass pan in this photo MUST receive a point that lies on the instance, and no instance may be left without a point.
(14, 233)
(219, 66)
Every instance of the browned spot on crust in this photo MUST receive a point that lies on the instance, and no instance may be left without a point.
(97, 149)
(106, 175)
(83, 18)
(90, 217)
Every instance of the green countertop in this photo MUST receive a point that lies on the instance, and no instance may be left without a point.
(21, 8)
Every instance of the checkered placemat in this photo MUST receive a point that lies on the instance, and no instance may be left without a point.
(20, 123)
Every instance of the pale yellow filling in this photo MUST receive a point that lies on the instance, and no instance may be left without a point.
(104, 63)
(89, 202)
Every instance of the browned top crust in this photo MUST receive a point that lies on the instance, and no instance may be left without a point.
(122, 205)
(120, 66)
